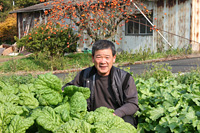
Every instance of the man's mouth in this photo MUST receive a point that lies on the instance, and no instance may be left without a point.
(103, 67)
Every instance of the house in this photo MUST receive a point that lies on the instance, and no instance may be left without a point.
(176, 25)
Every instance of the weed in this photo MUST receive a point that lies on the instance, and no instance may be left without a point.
(16, 80)
(157, 71)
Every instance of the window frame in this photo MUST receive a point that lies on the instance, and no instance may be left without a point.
(146, 23)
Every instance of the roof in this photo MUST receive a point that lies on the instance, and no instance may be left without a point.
(42, 6)
(37, 7)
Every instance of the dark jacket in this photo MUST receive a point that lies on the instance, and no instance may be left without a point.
(122, 84)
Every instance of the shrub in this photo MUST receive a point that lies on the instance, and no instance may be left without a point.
(55, 39)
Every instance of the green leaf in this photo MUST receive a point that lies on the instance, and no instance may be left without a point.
(78, 105)
(75, 125)
(48, 81)
(19, 124)
(7, 89)
(28, 99)
(48, 119)
(173, 123)
(190, 115)
(26, 88)
(70, 90)
(48, 97)
(161, 129)
(156, 113)
(12, 98)
(64, 111)
(164, 121)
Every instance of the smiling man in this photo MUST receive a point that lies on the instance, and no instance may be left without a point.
(110, 86)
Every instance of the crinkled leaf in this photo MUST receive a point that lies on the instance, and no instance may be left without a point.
(104, 121)
(161, 129)
(48, 119)
(26, 88)
(19, 124)
(48, 81)
(173, 123)
(78, 105)
(70, 90)
(36, 112)
(117, 123)
(99, 115)
(48, 97)
(11, 98)
(64, 111)
(75, 125)
(7, 89)
(28, 99)
(10, 108)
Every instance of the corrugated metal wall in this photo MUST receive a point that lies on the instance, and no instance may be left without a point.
(174, 26)
(195, 25)
(25, 22)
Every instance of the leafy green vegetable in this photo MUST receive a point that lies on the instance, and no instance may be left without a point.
(70, 90)
(78, 105)
(8, 111)
(42, 107)
(19, 124)
(48, 89)
(48, 81)
(26, 88)
(7, 89)
(104, 121)
(48, 97)
(168, 106)
(12, 98)
(64, 111)
(75, 125)
(48, 119)
(28, 99)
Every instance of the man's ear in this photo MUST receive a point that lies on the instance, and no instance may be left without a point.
(93, 59)
(114, 58)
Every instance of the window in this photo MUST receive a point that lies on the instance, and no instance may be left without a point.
(139, 26)
(24, 24)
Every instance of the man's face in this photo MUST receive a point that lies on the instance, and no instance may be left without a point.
(103, 61)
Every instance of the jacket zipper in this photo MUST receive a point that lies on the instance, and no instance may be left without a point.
(92, 95)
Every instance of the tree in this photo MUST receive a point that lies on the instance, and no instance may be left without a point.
(8, 29)
(6, 5)
(26, 3)
(100, 18)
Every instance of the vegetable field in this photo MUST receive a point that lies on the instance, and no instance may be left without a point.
(43, 107)
(169, 106)
(39, 105)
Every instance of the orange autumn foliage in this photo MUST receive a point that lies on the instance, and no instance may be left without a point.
(8, 29)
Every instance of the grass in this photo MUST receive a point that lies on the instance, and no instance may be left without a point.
(33, 63)
(78, 60)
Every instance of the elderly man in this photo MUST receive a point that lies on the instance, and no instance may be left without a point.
(110, 86)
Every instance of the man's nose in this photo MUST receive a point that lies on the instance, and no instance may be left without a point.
(103, 60)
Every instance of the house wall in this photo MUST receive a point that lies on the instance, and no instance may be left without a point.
(195, 26)
(174, 26)
(26, 21)
(132, 43)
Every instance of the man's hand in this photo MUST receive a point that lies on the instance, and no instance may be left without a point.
(114, 114)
